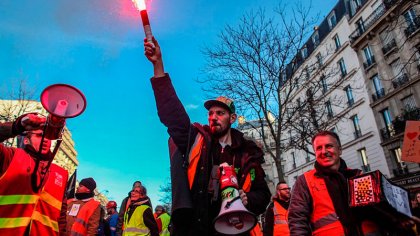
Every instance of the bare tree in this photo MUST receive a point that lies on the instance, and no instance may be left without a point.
(16, 101)
(166, 197)
(261, 64)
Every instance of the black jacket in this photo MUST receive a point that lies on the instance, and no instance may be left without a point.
(199, 221)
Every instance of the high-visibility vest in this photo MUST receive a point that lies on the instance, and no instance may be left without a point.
(20, 207)
(281, 225)
(135, 226)
(165, 218)
(324, 220)
(81, 223)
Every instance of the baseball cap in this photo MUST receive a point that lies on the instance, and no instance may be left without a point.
(221, 101)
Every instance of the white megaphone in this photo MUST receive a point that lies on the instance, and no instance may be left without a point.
(61, 101)
(233, 217)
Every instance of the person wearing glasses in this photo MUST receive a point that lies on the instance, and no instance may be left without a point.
(276, 214)
(138, 218)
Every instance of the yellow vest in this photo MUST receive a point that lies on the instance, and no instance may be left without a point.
(135, 226)
(165, 219)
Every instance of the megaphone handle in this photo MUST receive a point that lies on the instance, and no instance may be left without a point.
(231, 201)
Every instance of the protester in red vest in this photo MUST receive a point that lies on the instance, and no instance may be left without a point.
(32, 199)
(319, 204)
(84, 212)
(276, 223)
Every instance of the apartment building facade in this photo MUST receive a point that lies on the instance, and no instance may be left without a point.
(386, 39)
(372, 50)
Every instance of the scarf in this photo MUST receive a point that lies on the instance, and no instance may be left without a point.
(134, 204)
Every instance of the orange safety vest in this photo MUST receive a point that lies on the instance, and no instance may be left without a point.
(324, 220)
(20, 207)
(80, 225)
(281, 225)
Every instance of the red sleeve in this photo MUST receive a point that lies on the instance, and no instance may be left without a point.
(6, 156)
(159, 223)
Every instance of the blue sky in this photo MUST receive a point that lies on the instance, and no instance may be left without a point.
(97, 46)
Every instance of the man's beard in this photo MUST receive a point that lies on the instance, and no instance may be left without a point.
(219, 133)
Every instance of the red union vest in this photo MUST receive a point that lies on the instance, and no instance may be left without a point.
(324, 220)
(281, 225)
(80, 225)
(20, 207)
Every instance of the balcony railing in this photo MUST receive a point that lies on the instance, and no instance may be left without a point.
(401, 170)
(378, 95)
(389, 46)
(365, 168)
(400, 81)
(369, 62)
(357, 134)
(413, 27)
(372, 18)
(330, 115)
(398, 124)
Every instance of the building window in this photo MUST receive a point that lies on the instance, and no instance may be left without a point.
(337, 42)
(308, 157)
(324, 84)
(349, 94)
(294, 161)
(379, 90)
(409, 103)
(304, 52)
(315, 39)
(397, 68)
(401, 166)
(329, 109)
(410, 17)
(319, 59)
(360, 26)
(364, 158)
(342, 66)
(356, 126)
(355, 6)
(413, 22)
(332, 20)
(307, 74)
(397, 154)
(386, 115)
(388, 41)
(370, 59)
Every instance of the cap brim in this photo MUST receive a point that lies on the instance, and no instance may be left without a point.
(210, 103)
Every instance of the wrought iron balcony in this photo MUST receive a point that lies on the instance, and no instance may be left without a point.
(401, 170)
(378, 95)
(357, 134)
(413, 27)
(371, 19)
(390, 3)
(400, 81)
(398, 124)
(389, 46)
(357, 33)
(369, 62)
